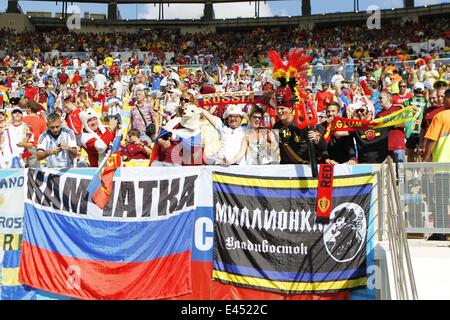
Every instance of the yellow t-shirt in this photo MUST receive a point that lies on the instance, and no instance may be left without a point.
(157, 69)
(109, 61)
(29, 64)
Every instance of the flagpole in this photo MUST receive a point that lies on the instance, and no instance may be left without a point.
(312, 154)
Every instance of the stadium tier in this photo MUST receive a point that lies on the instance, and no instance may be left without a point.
(276, 158)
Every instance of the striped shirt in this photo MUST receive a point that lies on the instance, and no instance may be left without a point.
(62, 159)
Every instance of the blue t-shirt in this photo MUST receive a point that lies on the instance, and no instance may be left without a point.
(156, 83)
(375, 97)
(349, 66)
(50, 102)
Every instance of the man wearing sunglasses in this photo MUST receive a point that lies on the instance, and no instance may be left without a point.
(372, 144)
(399, 99)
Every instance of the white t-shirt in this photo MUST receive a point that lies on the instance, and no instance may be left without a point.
(114, 105)
(100, 81)
(337, 78)
(47, 141)
(231, 141)
(119, 86)
(12, 136)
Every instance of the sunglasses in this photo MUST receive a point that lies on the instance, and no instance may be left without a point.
(360, 110)
(185, 100)
(257, 117)
(402, 86)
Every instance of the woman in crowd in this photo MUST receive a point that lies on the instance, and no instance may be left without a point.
(260, 146)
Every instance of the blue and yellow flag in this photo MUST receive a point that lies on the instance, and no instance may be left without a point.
(266, 237)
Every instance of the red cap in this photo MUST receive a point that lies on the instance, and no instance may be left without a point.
(205, 89)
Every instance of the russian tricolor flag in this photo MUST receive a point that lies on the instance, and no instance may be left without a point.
(95, 258)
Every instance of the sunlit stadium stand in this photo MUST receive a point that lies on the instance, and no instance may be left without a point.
(101, 24)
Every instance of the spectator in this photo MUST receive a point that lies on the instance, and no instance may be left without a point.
(437, 149)
(17, 139)
(324, 97)
(100, 81)
(437, 137)
(292, 140)
(31, 91)
(412, 131)
(135, 149)
(113, 104)
(37, 126)
(63, 77)
(57, 144)
(371, 144)
(259, 146)
(73, 120)
(142, 116)
(3, 125)
(340, 148)
(95, 137)
(396, 135)
(231, 134)
(399, 99)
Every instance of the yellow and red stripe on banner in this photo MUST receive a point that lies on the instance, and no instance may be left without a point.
(343, 124)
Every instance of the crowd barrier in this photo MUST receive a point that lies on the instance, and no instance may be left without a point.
(425, 197)
(49, 195)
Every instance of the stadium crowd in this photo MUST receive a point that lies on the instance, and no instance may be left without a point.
(64, 111)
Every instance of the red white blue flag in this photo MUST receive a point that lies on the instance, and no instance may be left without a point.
(138, 247)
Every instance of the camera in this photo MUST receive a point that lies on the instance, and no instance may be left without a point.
(113, 116)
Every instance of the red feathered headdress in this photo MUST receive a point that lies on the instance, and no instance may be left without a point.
(293, 73)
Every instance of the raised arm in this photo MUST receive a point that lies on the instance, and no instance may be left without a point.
(215, 121)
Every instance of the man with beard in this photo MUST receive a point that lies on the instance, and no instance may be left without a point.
(340, 148)
(293, 143)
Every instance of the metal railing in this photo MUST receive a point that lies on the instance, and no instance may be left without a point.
(425, 200)
(403, 276)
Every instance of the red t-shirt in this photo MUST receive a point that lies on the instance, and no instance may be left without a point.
(31, 93)
(135, 152)
(42, 98)
(365, 87)
(428, 115)
(396, 137)
(91, 150)
(74, 122)
(37, 126)
(166, 155)
(397, 99)
(323, 98)
(63, 78)
(76, 78)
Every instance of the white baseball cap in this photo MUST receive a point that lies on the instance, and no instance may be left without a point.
(419, 86)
